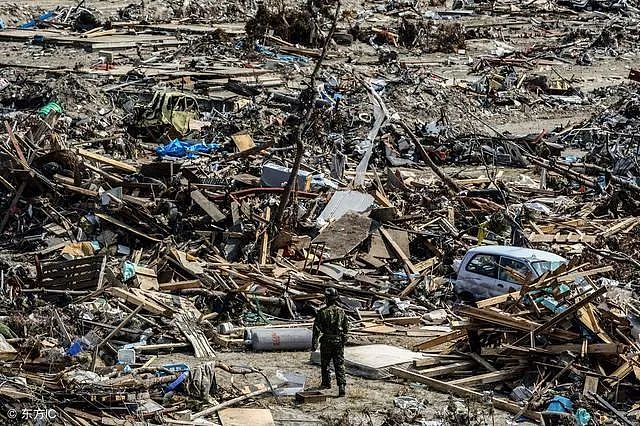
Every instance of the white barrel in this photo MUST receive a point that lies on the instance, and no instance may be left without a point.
(280, 339)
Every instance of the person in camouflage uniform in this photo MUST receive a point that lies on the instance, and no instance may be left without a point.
(330, 329)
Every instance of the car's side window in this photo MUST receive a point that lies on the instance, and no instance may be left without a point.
(484, 264)
(513, 271)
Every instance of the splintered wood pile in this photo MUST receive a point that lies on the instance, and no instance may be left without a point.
(559, 333)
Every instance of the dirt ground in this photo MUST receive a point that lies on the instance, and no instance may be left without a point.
(368, 402)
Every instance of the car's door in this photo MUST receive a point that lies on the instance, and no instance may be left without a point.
(480, 275)
(512, 274)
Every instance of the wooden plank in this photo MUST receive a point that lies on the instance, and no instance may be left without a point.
(101, 33)
(412, 285)
(74, 273)
(378, 329)
(137, 300)
(449, 337)
(617, 227)
(146, 278)
(403, 320)
(77, 413)
(345, 234)
(573, 275)
(7, 184)
(491, 377)
(12, 206)
(208, 206)
(569, 311)
(370, 260)
(590, 385)
(362, 279)
(463, 392)
(443, 370)
(243, 141)
(66, 264)
(180, 285)
(16, 146)
(424, 333)
(264, 244)
(504, 319)
(589, 320)
(483, 362)
(621, 372)
(492, 301)
(401, 238)
(246, 416)
(398, 251)
(195, 336)
(229, 403)
(123, 225)
(382, 199)
(426, 362)
(108, 161)
(562, 238)
(232, 28)
(427, 263)
(80, 283)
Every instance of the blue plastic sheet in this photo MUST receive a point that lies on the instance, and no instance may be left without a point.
(189, 149)
(74, 349)
(32, 23)
(279, 56)
(560, 404)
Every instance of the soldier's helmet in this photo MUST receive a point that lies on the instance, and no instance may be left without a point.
(331, 294)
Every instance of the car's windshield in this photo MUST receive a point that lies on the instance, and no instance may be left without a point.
(545, 266)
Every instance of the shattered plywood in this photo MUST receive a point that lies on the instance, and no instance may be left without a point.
(345, 234)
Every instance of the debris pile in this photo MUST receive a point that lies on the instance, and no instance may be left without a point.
(180, 183)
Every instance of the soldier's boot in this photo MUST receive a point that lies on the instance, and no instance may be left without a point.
(341, 391)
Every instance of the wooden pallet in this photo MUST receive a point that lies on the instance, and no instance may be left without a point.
(77, 274)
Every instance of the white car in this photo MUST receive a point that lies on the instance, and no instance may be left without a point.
(490, 271)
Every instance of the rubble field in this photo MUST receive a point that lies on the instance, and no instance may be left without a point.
(181, 181)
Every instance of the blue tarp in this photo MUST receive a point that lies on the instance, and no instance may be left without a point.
(32, 23)
(560, 404)
(279, 56)
(189, 149)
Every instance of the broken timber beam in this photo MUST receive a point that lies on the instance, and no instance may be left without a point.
(437, 341)
(411, 268)
(462, 392)
(492, 316)
(208, 206)
(491, 377)
(108, 161)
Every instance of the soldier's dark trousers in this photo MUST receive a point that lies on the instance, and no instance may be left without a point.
(332, 351)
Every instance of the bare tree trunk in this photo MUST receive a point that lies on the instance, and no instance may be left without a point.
(286, 194)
